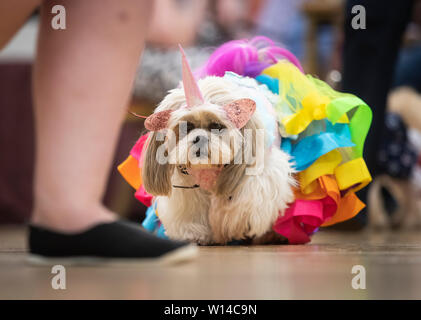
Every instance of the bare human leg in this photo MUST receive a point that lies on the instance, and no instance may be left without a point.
(82, 82)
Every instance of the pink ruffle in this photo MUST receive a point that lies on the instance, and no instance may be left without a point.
(136, 153)
(303, 218)
(143, 196)
(137, 149)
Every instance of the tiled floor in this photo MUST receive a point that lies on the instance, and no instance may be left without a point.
(319, 270)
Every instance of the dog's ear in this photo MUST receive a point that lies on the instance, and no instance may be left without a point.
(156, 177)
(240, 111)
(230, 179)
(157, 121)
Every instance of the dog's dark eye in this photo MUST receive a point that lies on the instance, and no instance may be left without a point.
(190, 127)
(216, 126)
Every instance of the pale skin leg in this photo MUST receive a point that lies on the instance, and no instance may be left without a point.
(82, 82)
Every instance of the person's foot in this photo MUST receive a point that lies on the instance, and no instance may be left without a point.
(118, 240)
(94, 236)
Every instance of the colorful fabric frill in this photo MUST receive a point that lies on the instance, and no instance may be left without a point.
(323, 130)
(152, 223)
(324, 134)
(131, 170)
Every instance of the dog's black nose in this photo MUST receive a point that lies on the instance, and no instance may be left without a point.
(200, 141)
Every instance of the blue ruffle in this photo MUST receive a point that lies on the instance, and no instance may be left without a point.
(272, 83)
(152, 223)
(307, 150)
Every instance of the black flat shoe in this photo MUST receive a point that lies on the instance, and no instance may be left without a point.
(115, 241)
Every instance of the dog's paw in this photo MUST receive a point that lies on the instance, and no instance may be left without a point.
(199, 239)
(270, 237)
(196, 233)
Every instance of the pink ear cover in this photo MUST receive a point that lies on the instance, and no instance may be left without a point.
(158, 121)
(240, 111)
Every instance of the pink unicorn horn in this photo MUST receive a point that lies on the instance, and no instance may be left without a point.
(191, 89)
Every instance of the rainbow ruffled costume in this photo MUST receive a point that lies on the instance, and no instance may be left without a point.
(323, 130)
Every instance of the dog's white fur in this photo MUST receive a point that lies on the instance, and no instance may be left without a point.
(244, 206)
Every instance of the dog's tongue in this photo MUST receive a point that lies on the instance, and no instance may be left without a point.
(205, 177)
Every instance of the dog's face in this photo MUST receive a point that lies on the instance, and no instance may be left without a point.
(206, 144)
(202, 137)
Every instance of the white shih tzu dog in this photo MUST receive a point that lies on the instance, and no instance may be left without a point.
(214, 167)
